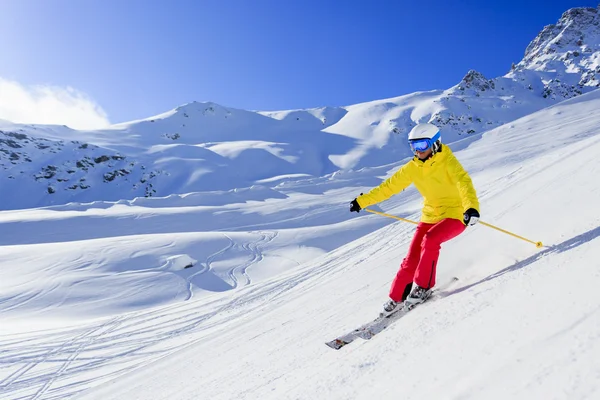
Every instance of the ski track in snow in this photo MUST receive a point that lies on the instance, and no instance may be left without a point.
(254, 248)
(61, 356)
(35, 366)
(60, 364)
(207, 267)
(239, 272)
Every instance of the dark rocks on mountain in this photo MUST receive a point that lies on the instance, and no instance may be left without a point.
(101, 159)
(476, 80)
(84, 164)
(173, 136)
(18, 136)
(587, 77)
(51, 190)
(149, 191)
(47, 173)
(110, 176)
(10, 143)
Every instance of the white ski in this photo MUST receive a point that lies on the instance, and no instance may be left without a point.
(372, 328)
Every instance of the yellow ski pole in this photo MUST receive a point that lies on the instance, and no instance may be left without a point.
(539, 245)
(391, 216)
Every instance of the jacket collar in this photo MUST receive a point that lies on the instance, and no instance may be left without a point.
(429, 160)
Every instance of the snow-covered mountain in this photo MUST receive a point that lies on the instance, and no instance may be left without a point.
(196, 147)
(566, 54)
(228, 285)
(233, 296)
(201, 147)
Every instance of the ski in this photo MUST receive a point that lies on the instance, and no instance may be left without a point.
(372, 328)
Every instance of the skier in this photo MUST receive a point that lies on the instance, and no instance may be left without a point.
(450, 205)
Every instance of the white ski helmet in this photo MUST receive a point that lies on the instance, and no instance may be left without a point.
(423, 136)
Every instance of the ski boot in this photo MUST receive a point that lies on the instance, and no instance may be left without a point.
(390, 307)
(417, 296)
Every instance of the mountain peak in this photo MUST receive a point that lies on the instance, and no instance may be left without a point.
(475, 80)
(577, 29)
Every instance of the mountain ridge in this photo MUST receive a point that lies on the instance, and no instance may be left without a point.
(204, 146)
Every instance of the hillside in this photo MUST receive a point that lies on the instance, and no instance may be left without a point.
(129, 320)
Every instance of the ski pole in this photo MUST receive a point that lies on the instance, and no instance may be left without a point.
(391, 216)
(539, 245)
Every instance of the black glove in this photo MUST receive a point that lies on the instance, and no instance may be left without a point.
(471, 216)
(354, 206)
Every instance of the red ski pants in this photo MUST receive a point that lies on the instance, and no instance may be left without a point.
(420, 263)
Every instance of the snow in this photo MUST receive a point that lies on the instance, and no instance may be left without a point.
(208, 252)
(233, 294)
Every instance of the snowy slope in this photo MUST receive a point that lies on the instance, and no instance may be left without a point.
(196, 147)
(205, 147)
(94, 308)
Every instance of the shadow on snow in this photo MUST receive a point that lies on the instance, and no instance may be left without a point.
(559, 248)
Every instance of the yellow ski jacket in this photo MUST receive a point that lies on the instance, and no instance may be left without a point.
(446, 187)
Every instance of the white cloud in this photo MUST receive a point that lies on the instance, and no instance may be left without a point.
(49, 105)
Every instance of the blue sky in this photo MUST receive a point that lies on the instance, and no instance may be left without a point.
(138, 58)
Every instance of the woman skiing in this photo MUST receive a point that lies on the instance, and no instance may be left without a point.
(450, 204)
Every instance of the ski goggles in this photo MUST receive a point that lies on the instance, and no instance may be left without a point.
(423, 144)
